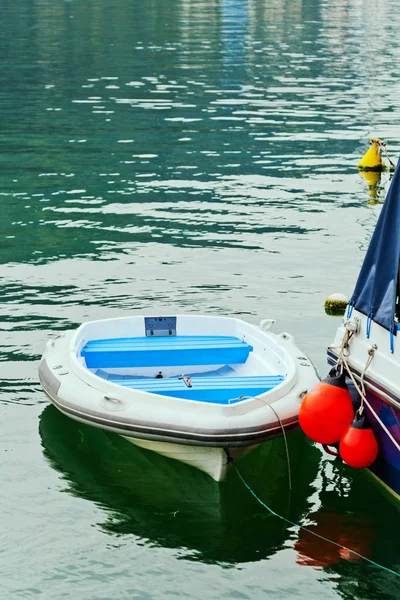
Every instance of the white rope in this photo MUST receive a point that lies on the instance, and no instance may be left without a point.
(348, 334)
(382, 146)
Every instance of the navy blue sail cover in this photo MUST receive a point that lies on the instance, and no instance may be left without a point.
(376, 288)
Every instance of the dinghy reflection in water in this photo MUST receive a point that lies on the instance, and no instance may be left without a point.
(189, 387)
(367, 345)
(165, 503)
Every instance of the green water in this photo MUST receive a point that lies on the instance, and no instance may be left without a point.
(172, 156)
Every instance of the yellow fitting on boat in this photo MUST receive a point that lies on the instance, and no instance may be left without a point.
(372, 159)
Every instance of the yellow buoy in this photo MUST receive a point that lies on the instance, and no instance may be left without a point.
(336, 304)
(373, 179)
(372, 159)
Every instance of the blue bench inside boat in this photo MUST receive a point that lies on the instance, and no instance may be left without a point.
(165, 351)
(213, 389)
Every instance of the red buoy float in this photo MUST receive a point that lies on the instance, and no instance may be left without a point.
(358, 446)
(327, 410)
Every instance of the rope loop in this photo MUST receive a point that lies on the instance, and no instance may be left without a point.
(229, 458)
(329, 450)
(344, 349)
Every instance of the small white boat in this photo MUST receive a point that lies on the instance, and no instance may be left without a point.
(192, 387)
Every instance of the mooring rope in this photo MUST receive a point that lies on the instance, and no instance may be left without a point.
(383, 147)
(286, 445)
(321, 537)
(283, 433)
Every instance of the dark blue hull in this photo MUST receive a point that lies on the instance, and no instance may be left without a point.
(387, 465)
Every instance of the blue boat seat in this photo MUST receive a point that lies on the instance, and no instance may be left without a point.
(217, 389)
(165, 351)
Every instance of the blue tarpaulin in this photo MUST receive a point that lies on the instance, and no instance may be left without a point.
(376, 288)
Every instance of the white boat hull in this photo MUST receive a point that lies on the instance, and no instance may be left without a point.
(213, 461)
(198, 429)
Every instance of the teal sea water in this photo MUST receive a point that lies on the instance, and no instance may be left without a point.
(172, 156)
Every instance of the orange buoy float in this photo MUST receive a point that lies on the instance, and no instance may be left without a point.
(358, 446)
(327, 410)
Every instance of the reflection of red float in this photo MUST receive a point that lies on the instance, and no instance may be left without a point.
(327, 409)
(358, 446)
(312, 551)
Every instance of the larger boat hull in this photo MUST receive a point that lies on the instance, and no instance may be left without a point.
(387, 466)
(382, 400)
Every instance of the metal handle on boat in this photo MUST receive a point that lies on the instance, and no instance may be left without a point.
(186, 380)
(352, 325)
(113, 399)
(266, 324)
(239, 398)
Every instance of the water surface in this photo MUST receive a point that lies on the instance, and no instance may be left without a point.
(185, 156)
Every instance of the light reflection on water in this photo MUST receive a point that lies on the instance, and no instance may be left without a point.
(179, 156)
